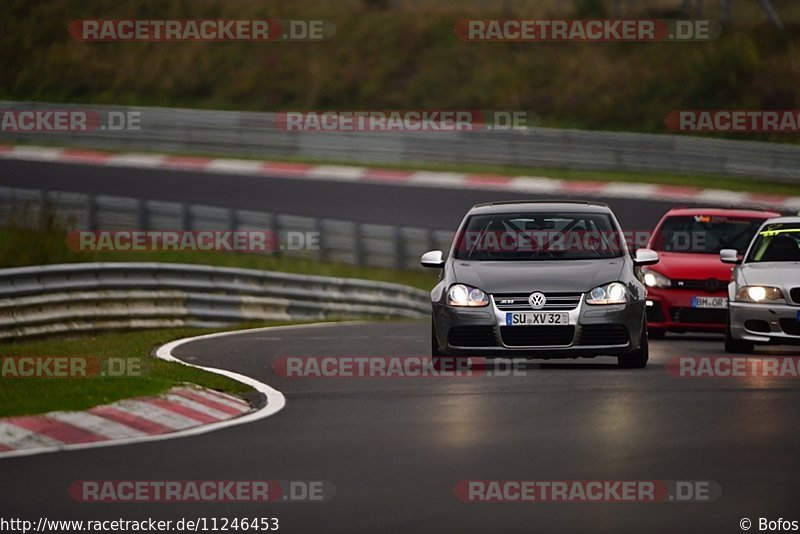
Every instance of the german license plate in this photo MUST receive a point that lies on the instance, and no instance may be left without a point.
(536, 318)
(710, 302)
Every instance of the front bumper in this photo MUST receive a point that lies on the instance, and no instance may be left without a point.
(613, 330)
(671, 310)
(765, 323)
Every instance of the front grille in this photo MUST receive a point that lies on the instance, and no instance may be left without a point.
(790, 326)
(711, 285)
(537, 336)
(604, 334)
(555, 301)
(699, 315)
(795, 293)
(471, 336)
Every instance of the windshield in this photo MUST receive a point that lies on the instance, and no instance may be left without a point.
(539, 236)
(776, 242)
(705, 234)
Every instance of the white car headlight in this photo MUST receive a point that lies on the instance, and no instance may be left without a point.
(759, 294)
(464, 295)
(613, 293)
(656, 279)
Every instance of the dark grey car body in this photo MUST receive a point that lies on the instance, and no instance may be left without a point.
(611, 329)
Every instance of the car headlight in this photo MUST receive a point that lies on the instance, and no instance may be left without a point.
(464, 295)
(613, 293)
(656, 279)
(759, 294)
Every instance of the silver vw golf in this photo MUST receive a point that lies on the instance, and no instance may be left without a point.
(540, 280)
(764, 296)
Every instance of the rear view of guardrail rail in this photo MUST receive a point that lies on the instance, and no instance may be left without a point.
(340, 241)
(76, 297)
(255, 134)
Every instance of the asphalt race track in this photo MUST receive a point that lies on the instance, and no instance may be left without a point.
(394, 448)
(424, 207)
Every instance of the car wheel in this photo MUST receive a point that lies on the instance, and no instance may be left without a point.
(638, 358)
(737, 346)
(436, 354)
(656, 333)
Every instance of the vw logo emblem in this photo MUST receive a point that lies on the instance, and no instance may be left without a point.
(537, 300)
(713, 285)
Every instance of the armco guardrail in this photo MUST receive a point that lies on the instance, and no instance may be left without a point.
(254, 134)
(71, 297)
(339, 241)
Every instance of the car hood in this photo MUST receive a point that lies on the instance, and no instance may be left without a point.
(685, 266)
(525, 276)
(778, 273)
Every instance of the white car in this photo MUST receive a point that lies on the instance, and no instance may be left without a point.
(764, 296)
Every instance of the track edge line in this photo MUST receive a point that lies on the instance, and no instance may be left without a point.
(275, 399)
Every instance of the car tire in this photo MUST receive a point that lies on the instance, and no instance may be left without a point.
(656, 333)
(737, 346)
(638, 358)
(436, 354)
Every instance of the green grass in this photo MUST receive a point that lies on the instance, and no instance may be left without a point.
(21, 396)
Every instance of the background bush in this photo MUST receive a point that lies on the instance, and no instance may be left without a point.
(404, 54)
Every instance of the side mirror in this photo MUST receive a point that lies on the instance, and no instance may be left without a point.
(729, 255)
(433, 259)
(645, 256)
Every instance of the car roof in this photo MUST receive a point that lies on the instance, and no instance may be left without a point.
(787, 219)
(724, 212)
(513, 206)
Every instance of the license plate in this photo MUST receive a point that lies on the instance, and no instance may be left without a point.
(536, 318)
(798, 316)
(710, 302)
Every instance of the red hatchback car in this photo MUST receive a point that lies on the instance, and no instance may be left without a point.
(687, 289)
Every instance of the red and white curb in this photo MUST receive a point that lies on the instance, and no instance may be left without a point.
(178, 409)
(447, 180)
(181, 412)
